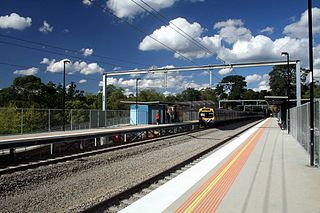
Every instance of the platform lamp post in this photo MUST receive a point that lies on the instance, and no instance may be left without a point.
(137, 80)
(311, 83)
(288, 90)
(64, 95)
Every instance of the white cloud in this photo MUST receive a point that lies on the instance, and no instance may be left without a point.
(253, 78)
(87, 2)
(232, 30)
(30, 71)
(82, 81)
(87, 52)
(167, 93)
(77, 66)
(116, 68)
(15, 21)
(316, 74)
(225, 71)
(46, 28)
(268, 30)
(174, 40)
(127, 92)
(156, 81)
(262, 48)
(244, 47)
(128, 9)
(263, 84)
(299, 29)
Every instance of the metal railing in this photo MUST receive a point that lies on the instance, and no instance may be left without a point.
(30, 120)
(300, 127)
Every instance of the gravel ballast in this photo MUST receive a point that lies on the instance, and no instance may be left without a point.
(75, 185)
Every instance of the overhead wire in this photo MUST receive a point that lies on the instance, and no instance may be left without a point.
(27, 67)
(71, 50)
(57, 53)
(144, 33)
(178, 29)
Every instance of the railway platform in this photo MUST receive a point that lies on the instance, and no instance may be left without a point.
(263, 170)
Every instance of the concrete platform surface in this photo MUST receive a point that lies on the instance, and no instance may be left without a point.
(263, 170)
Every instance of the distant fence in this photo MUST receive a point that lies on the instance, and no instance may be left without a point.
(300, 127)
(31, 120)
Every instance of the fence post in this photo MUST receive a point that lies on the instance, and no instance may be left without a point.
(90, 119)
(21, 121)
(51, 149)
(71, 119)
(98, 120)
(105, 118)
(49, 121)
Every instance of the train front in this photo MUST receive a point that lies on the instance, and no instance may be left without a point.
(206, 116)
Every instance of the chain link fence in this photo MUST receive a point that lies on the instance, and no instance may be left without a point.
(300, 126)
(22, 121)
(30, 120)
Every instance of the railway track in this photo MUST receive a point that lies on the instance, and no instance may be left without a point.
(128, 196)
(84, 183)
(32, 165)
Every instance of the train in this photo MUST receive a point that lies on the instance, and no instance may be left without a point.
(211, 116)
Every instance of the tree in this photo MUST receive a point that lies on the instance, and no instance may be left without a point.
(278, 81)
(27, 91)
(251, 95)
(150, 95)
(171, 98)
(236, 87)
(114, 96)
(191, 94)
(263, 93)
(10, 120)
(208, 94)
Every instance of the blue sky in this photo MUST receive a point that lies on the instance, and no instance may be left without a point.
(234, 30)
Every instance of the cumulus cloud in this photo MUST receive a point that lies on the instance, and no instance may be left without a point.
(263, 84)
(156, 81)
(87, 2)
(174, 40)
(268, 30)
(82, 81)
(116, 68)
(253, 78)
(77, 66)
(128, 9)
(299, 29)
(232, 30)
(87, 52)
(225, 71)
(15, 21)
(46, 28)
(262, 48)
(167, 93)
(30, 71)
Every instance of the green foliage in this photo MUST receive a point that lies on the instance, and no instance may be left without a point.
(150, 95)
(279, 81)
(316, 90)
(10, 120)
(236, 88)
(114, 96)
(251, 95)
(34, 120)
(208, 94)
(191, 94)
